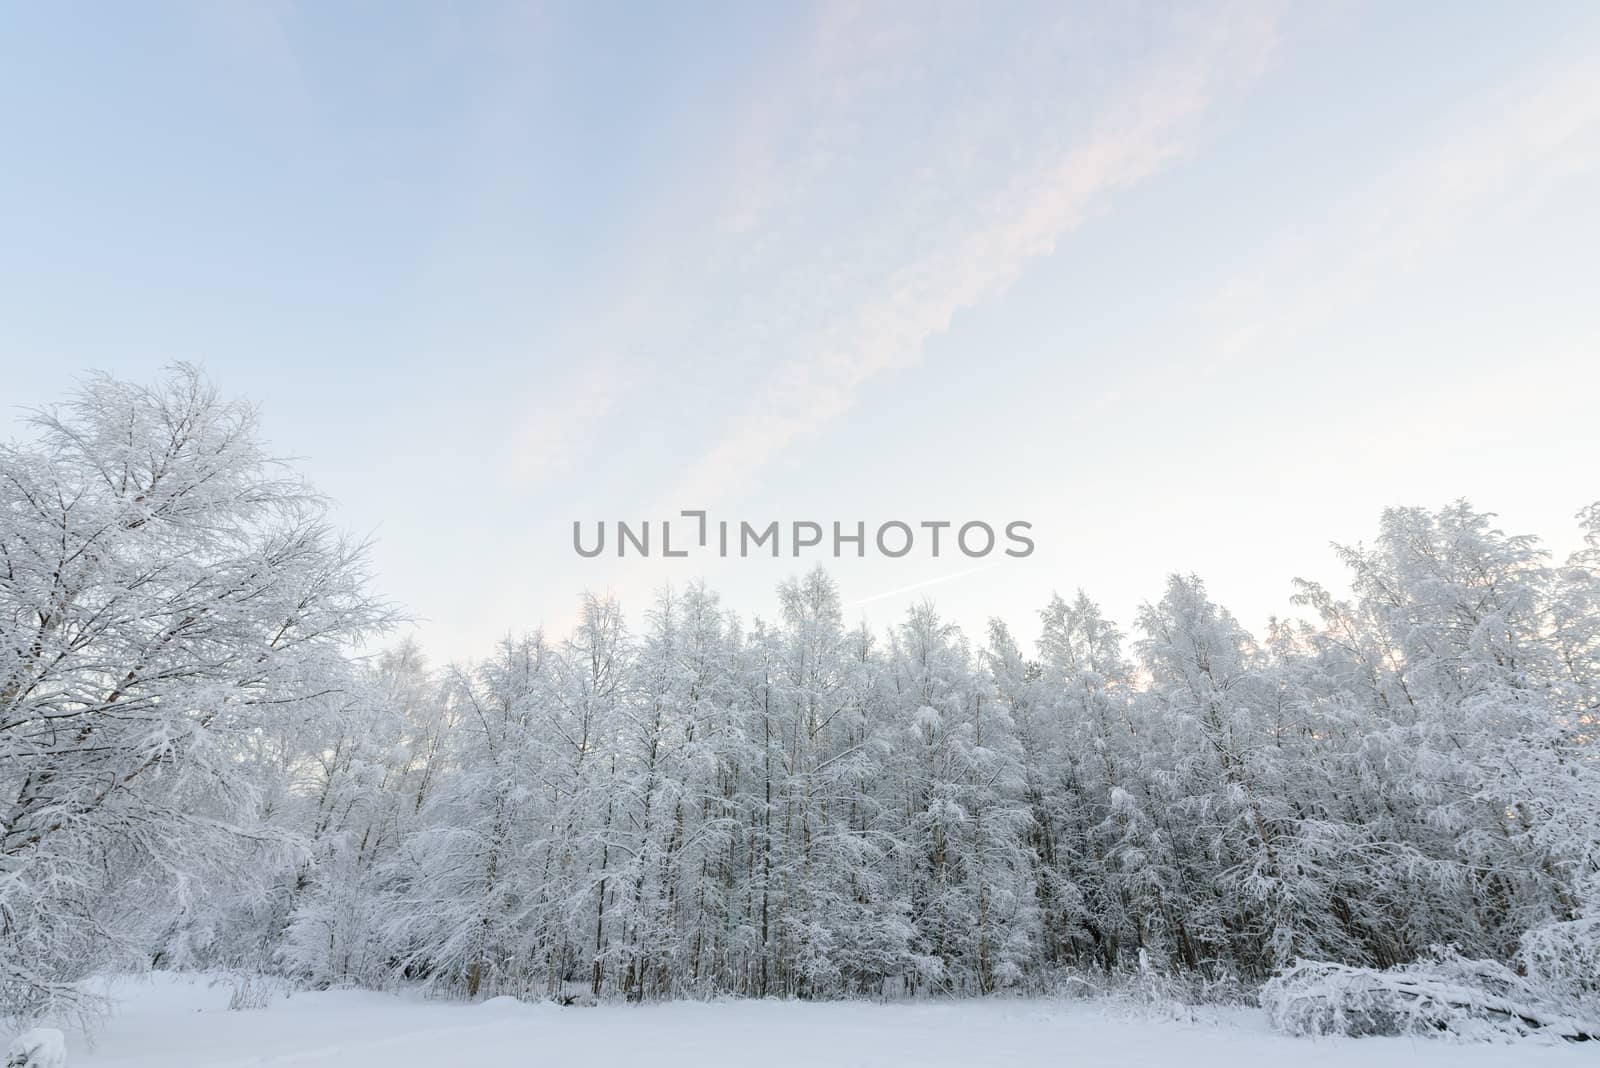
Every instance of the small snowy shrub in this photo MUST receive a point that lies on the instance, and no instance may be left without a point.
(1446, 993)
(1564, 958)
(248, 994)
(1151, 992)
(250, 991)
(573, 993)
(43, 1047)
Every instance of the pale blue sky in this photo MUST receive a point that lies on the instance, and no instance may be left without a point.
(1188, 288)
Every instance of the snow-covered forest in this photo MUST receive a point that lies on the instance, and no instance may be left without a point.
(204, 764)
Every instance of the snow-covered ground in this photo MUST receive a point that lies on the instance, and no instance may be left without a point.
(175, 1022)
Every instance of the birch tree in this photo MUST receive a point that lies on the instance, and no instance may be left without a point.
(166, 589)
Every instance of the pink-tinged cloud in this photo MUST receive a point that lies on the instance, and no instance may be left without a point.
(1155, 120)
(560, 424)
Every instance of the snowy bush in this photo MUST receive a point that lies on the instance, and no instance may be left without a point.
(1445, 993)
(250, 992)
(1565, 958)
(1150, 992)
(43, 1047)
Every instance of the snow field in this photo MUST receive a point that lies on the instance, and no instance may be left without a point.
(183, 1022)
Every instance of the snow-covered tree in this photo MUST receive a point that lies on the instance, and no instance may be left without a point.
(167, 590)
(197, 769)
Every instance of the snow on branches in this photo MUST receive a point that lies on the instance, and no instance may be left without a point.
(195, 773)
(166, 591)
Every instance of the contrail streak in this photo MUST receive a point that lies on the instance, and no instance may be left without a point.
(920, 585)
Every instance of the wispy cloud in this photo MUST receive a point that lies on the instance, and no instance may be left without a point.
(941, 266)
(563, 418)
(1497, 159)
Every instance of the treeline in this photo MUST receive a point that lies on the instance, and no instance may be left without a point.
(790, 806)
